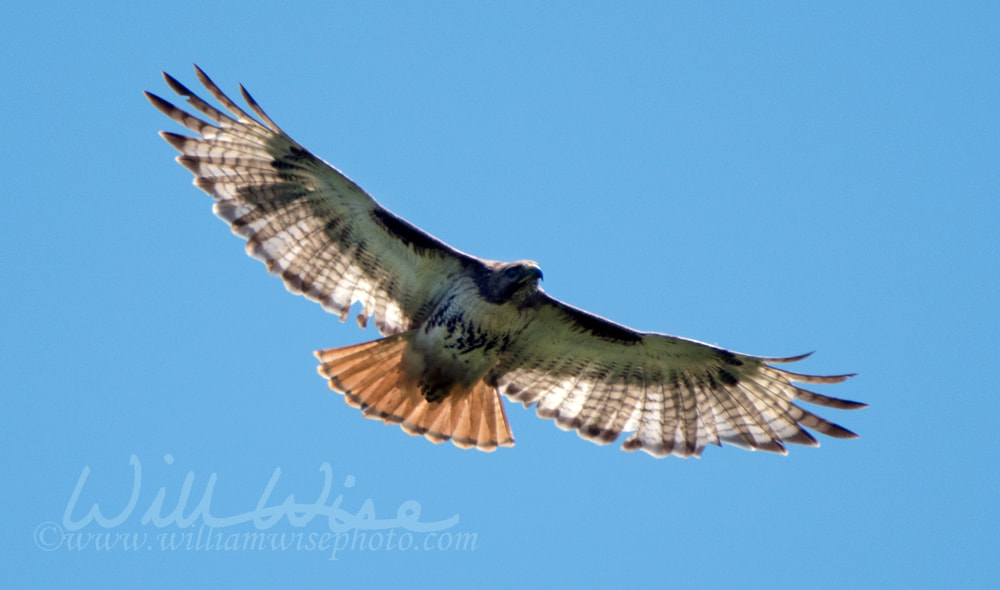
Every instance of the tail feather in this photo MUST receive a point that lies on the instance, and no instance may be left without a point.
(500, 416)
(385, 385)
(468, 424)
(437, 418)
(371, 378)
(466, 419)
(488, 412)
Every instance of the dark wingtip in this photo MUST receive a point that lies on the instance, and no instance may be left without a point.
(258, 110)
(203, 77)
(803, 378)
(771, 446)
(838, 431)
(830, 402)
(246, 94)
(802, 438)
(155, 100)
(788, 359)
(158, 102)
(176, 141)
(176, 86)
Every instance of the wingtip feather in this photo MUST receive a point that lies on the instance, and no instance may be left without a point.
(161, 104)
(256, 108)
(176, 85)
(787, 359)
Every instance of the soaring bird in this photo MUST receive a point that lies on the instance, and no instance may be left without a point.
(459, 331)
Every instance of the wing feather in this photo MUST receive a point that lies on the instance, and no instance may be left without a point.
(322, 234)
(675, 395)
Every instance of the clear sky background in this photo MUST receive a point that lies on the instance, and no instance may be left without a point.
(774, 179)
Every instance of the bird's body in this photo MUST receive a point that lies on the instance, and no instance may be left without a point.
(458, 330)
(464, 334)
(446, 354)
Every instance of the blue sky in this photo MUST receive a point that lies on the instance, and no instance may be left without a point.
(773, 179)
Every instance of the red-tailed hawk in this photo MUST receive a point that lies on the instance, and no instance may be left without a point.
(460, 330)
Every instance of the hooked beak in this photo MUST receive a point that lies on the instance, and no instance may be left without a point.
(536, 273)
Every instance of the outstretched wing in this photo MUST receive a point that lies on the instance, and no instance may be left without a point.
(311, 225)
(676, 395)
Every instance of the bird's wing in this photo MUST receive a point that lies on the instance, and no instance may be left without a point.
(320, 232)
(676, 395)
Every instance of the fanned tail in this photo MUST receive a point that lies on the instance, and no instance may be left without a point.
(371, 378)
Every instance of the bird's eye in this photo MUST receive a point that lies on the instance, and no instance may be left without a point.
(511, 272)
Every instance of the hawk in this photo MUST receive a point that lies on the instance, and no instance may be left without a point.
(459, 331)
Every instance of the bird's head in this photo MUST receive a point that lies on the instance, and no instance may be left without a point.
(513, 280)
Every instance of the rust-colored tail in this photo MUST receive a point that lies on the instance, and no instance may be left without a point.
(370, 375)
